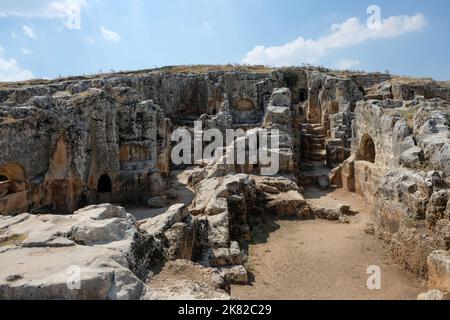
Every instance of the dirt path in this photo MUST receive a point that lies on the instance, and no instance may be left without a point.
(324, 260)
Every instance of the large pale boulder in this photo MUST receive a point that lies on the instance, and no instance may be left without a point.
(96, 253)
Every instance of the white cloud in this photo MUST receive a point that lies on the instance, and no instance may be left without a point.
(110, 35)
(89, 39)
(26, 51)
(347, 64)
(207, 25)
(11, 71)
(69, 11)
(350, 32)
(29, 31)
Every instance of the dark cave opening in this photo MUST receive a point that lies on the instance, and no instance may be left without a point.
(104, 184)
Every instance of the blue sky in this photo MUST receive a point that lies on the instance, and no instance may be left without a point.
(45, 39)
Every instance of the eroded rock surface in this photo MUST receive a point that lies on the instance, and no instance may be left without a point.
(71, 143)
(96, 253)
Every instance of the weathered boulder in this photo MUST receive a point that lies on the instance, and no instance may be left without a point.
(282, 184)
(97, 253)
(402, 138)
(67, 273)
(286, 204)
(234, 274)
(181, 239)
(431, 295)
(158, 225)
(185, 280)
(431, 130)
(281, 98)
(157, 202)
(226, 256)
(412, 158)
(327, 213)
(439, 270)
(344, 209)
(437, 207)
(278, 115)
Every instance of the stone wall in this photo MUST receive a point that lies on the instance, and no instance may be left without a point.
(64, 144)
(66, 135)
(400, 165)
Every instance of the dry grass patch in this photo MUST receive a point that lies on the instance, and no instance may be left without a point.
(8, 120)
(199, 69)
(14, 240)
(404, 113)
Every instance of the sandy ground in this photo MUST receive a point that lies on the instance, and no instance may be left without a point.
(323, 260)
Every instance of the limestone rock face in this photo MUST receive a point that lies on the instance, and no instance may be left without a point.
(431, 130)
(93, 254)
(278, 116)
(399, 164)
(177, 231)
(427, 89)
(374, 127)
(410, 212)
(412, 158)
(89, 145)
(70, 143)
(158, 225)
(224, 214)
(281, 98)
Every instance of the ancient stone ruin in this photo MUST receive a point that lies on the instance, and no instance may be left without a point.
(88, 188)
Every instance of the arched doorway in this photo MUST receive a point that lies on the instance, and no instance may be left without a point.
(104, 189)
(362, 90)
(13, 175)
(244, 105)
(244, 112)
(13, 189)
(212, 107)
(4, 185)
(104, 184)
(302, 95)
(367, 151)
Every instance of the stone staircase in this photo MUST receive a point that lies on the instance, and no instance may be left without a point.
(313, 143)
(313, 171)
